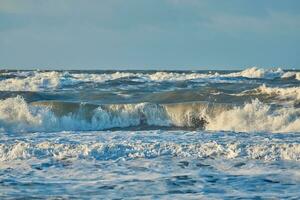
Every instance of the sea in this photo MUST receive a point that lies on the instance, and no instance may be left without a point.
(138, 134)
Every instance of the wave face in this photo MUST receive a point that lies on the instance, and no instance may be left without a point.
(18, 116)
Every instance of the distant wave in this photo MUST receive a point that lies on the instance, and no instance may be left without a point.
(255, 72)
(292, 93)
(39, 80)
(32, 82)
(16, 115)
(288, 94)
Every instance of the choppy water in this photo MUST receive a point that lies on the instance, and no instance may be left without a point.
(150, 134)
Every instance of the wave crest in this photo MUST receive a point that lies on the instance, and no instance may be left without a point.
(41, 80)
(292, 93)
(255, 72)
(18, 116)
(257, 116)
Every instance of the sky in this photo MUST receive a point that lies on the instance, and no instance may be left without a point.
(149, 34)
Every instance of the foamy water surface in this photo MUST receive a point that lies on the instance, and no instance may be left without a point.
(150, 134)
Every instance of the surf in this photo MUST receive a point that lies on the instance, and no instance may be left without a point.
(16, 115)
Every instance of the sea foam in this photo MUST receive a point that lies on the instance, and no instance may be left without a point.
(280, 92)
(257, 117)
(255, 72)
(44, 80)
(113, 150)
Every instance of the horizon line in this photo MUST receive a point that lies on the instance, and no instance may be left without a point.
(143, 68)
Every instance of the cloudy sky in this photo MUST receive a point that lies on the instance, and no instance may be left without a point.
(149, 34)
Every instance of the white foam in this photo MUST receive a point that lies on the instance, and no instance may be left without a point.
(282, 93)
(34, 82)
(18, 116)
(269, 151)
(257, 117)
(291, 74)
(255, 72)
(99, 78)
(252, 72)
(172, 76)
(38, 81)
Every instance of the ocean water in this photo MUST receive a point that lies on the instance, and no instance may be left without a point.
(150, 134)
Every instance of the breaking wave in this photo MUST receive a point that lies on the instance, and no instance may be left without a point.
(37, 81)
(33, 82)
(295, 75)
(43, 80)
(255, 72)
(292, 93)
(256, 117)
(16, 115)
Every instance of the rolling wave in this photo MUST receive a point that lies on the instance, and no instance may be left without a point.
(292, 93)
(16, 115)
(44, 80)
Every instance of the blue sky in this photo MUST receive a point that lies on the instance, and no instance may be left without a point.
(149, 34)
